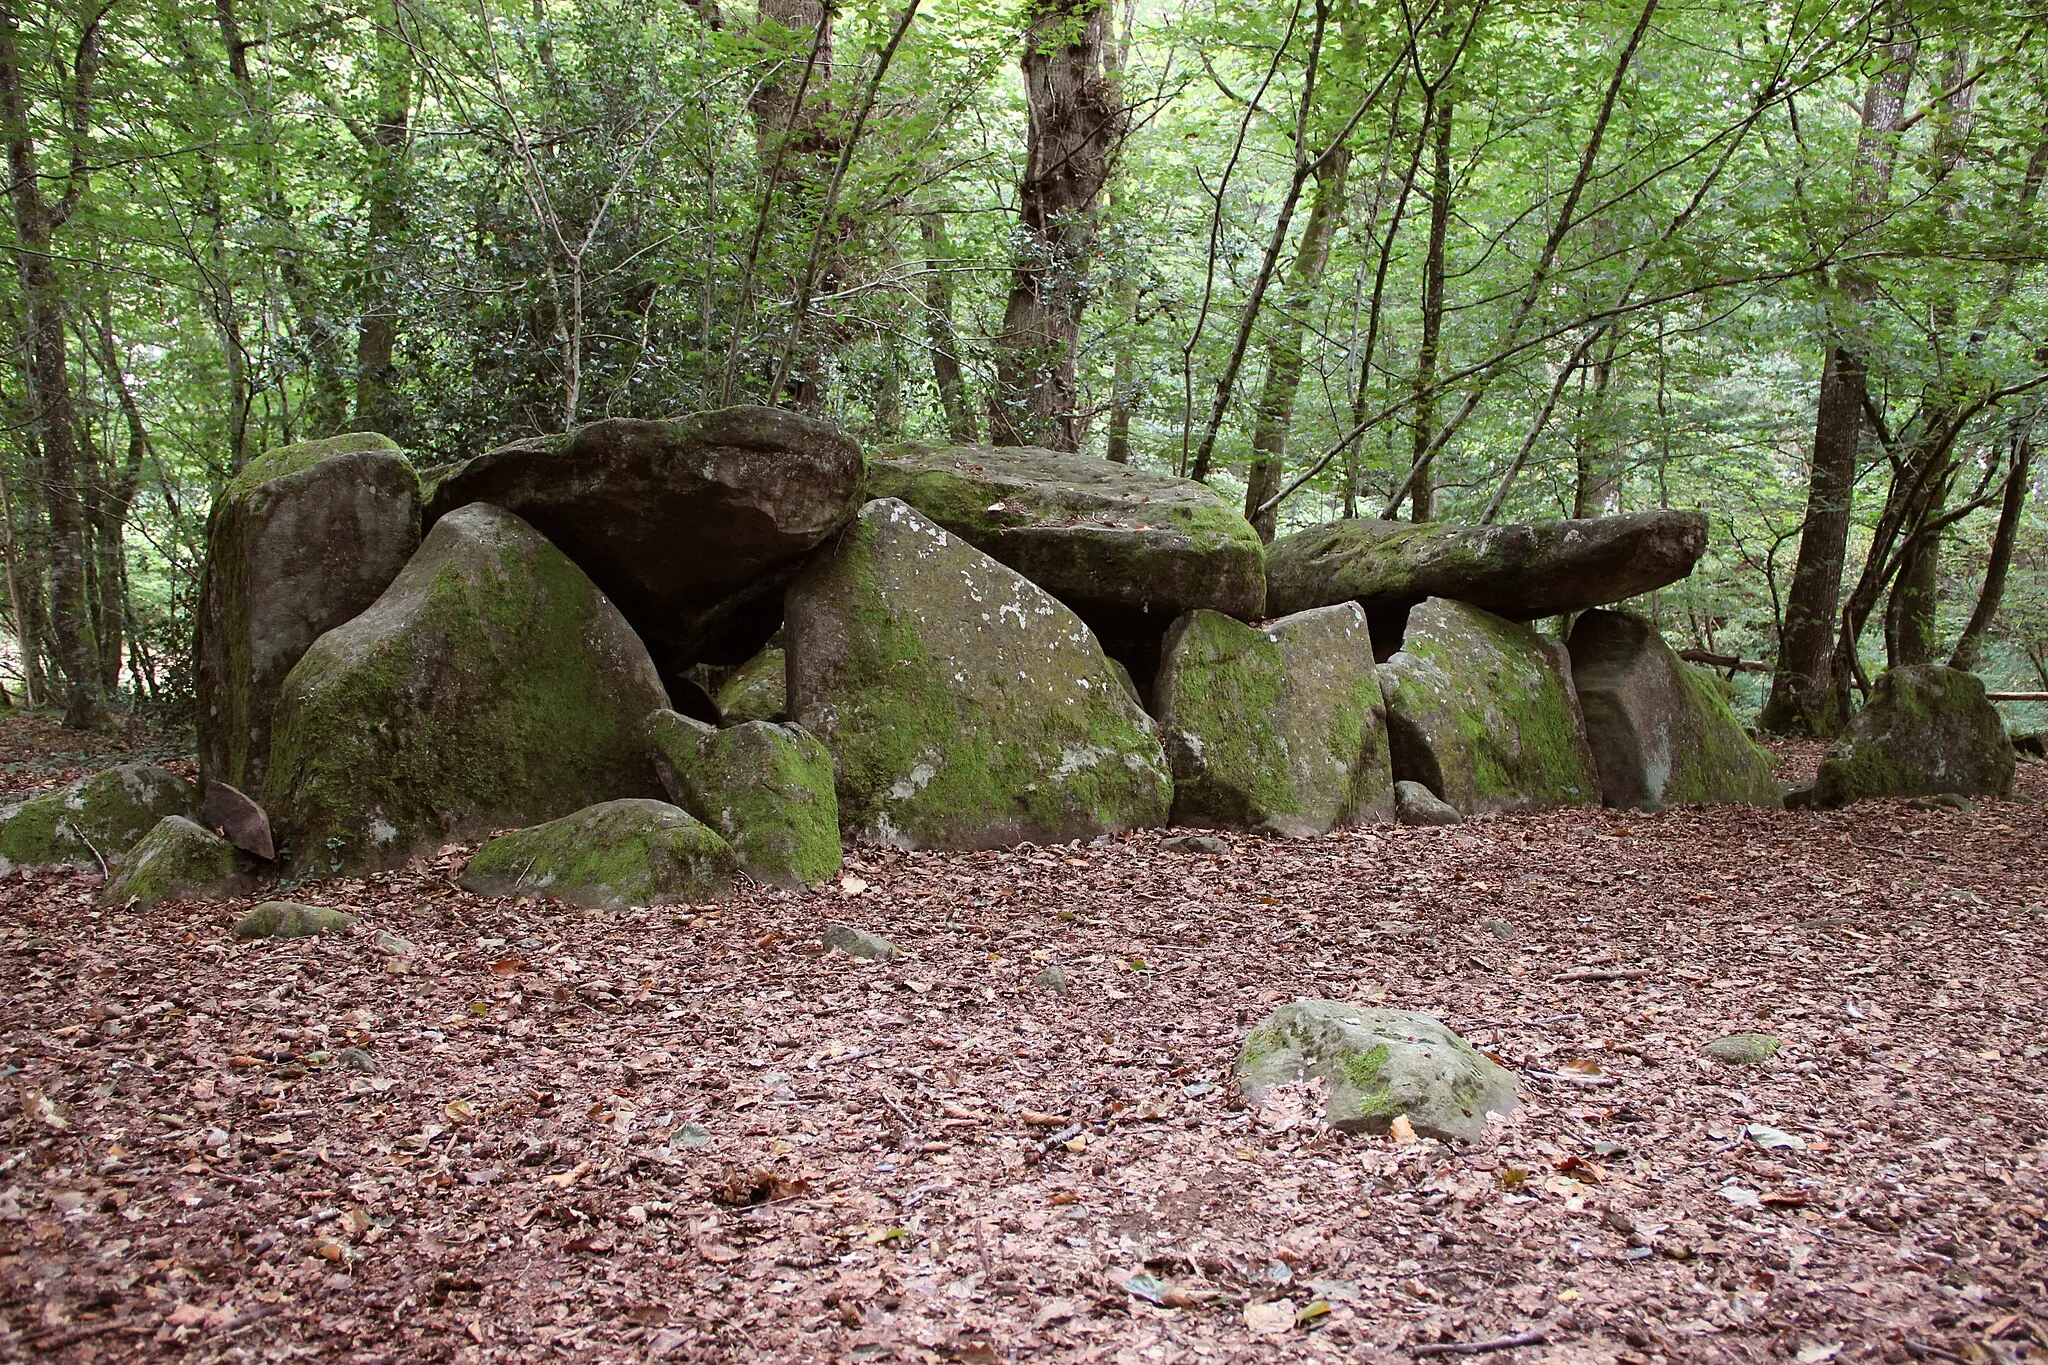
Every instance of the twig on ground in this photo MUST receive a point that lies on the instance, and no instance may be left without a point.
(1601, 974)
(1534, 1337)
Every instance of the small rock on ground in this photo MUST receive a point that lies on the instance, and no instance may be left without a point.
(1743, 1049)
(859, 943)
(1052, 979)
(1415, 804)
(1195, 843)
(289, 919)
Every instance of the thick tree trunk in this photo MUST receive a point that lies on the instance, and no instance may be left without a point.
(377, 406)
(1969, 651)
(1076, 118)
(1283, 348)
(1422, 491)
(1801, 700)
(942, 343)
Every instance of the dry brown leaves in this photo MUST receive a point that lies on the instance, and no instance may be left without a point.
(685, 1134)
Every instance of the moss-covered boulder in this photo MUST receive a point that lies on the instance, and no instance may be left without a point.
(1743, 1049)
(105, 812)
(1521, 572)
(290, 919)
(1924, 731)
(1417, 805)
(608, 857)
(964, 707)
(492, 685)
(1660, 729)
(1377, 1064)
(757, 690)
(178, 860)
(1278, 728)
(1481, 711)
(1129, 549)
(303, 539)
(692, 527)
(767, 789)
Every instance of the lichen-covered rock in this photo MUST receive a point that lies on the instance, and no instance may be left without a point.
(104, 812)
(692, 527)
(1129, 549)
(1481, 711)
(964, 707)
(1521, 572)
(1924, 731)
(608, 857)
(757, 690)
(1415, 804)
(289, 919)
(492, 685)
(1278, 728)
(1743, 1049)
(1377, 1064)
(767, 789)
(1660, 729)
(859, 943)
(303, 539)
(177, 860)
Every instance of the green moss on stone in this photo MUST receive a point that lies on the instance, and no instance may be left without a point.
(105, 813)
(768, 789)
(177, 860)
(1925, 731)
(285, 461)
(757, 690)
(289, 919)
(608, 856)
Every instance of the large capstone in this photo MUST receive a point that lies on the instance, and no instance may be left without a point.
(303, 539)
(177, 860)
(766, 788)
(1129, 549)
(1377, 1064)
(608, 857)
(1521, 572)
(1660, 729)
(1925, 730)
(1481, 711)
(1278, 728)
(100, 816)
(692, 527)
(964, 707)
(492, 685)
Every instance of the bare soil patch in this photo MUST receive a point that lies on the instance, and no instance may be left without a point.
(686, 1134)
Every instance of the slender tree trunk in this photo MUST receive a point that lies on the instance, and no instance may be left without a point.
(1597, 490)
(377, 404)
(1801, 700)
(1969, 651)
(942, 344)
(1076, 120)
(795, 130)
(1283, 348)
(1123, 376)
(24, 636)
(1422, 491)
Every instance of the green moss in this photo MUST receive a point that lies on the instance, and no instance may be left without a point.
(102, 814)
(176, 860)
(768, 789)
(288, 919)
(608, 856)
(284, 461)
(1925, 730)
(757, 690)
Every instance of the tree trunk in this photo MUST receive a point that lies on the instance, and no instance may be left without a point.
(1911, 633)
(1801, 700)
(943, 345)
(1597, 489)
(1076, 118)
(36, 221)
(17, 601)
(795, 131)
(1969, 651)
(377, 405)
(1422, 491)
(1123, 375)
(1283, 348)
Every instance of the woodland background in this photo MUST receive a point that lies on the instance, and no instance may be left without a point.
(1458, 259)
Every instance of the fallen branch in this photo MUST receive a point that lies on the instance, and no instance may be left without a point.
(1535, 1337)
(1734, 663)
(1600, 974)
(2016, 696)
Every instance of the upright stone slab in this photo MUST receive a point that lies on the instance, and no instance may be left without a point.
(1481, 711)
(1278, 728)
(491, 685)
(1521, 572)
(692, 527)
(303, 539)
(1129, 549)
(101, 815)
(1924, 731)
(964, 707)
(1661, 731)
(767, 789)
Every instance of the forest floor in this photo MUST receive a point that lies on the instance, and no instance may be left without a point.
(685, 1134)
